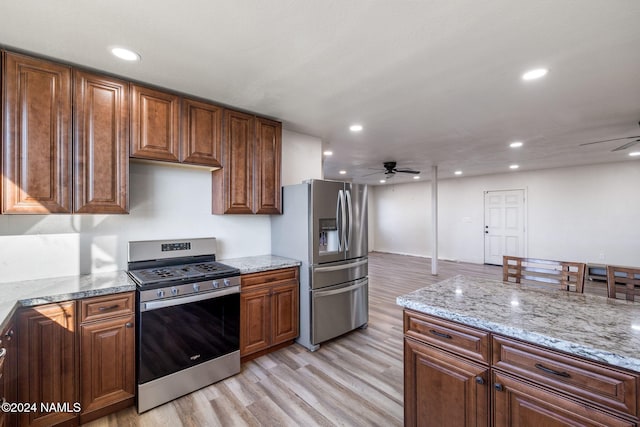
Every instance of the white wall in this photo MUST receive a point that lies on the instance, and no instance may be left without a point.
(165, 202)
(588, 214)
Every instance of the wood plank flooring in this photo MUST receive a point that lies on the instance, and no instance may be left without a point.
(354, 380)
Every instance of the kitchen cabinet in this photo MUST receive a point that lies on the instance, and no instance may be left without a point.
(8, 366)
(201, 139)
(100, 144)
(269, 304)
(249, 181)
(47, 369)
(50, 167)
(107, 354)
(155, 124)
(530, 385)
(36, 139)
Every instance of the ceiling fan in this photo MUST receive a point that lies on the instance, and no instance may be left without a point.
(390, 170)
(623, 146)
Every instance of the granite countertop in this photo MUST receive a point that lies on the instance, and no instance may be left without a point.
(596, 328)
(30, 293)
(256, 264)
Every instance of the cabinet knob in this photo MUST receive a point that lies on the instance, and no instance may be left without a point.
(128, 325)
(3, 351)
(498, 387)
(9, 334)
(479, 380)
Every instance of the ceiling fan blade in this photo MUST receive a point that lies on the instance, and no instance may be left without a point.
(607, 140)
(627, 145)
(408, 171)
(373, 173)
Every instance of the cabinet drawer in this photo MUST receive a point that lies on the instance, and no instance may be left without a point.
(469, 342)
(106, 306)
(596, 383)
(269, 277)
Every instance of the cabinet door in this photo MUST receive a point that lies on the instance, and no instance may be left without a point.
(441, 389)
(233, 184)
(268, 154)
(101, 141)
(517, 403)
(107, 364)
(201, 133)
(46, 372)
(36, 136)
(255, 327)
(154, 124)
(284, 313)
(8, 380)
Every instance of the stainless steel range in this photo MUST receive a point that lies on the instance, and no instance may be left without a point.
(188, 318)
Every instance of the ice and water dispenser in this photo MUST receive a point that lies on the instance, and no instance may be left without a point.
(328, 241)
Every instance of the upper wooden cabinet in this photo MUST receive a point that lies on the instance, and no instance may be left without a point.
(268, 156)
(201, 139)
(101, 142)
(155, 125)
(249, 181)
(36, 139)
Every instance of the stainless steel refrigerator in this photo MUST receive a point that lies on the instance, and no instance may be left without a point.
(324, 225)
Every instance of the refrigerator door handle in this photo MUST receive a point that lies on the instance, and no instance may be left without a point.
(349, 206)
(340, 215)
(358, 284)
(340, 267)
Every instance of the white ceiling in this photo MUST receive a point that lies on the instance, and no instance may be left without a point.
(432, 82)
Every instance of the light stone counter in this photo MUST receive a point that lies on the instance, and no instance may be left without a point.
(43, 291)
(597, 328)
(257, 264)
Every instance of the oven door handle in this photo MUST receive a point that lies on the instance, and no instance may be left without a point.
(154, 305)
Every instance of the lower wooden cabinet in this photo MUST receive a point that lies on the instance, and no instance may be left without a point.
(107, 356)
(450, 380)
(77, 358)
(269, 307)
(47, 368)
(442, 389)
(8, 359)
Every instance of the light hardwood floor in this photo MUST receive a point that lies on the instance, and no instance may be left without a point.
(354, 380)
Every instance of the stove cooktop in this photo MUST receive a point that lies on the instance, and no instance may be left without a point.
(183, 273)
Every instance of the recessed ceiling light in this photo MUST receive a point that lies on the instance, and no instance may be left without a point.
(634, 153)
(416, 177)
(515, 144)
(382, 181)
(328, 153)
(355, 128)
(343, 172)
(458, 172)
(535, 74)
(126, 54)
(514, 166)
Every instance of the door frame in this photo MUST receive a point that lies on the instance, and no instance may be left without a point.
(525, 220)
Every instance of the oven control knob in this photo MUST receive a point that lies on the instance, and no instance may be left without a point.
(216, 285)
(160, 293)
(227, 282)
(174, 291)
(196, 287)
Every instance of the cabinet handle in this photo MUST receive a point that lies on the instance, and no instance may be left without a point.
(440, 334)
(552, 371)
(9, 334)
(128, 325)
(498, 387)
(479, 380)
(3, 352)
(111, 307)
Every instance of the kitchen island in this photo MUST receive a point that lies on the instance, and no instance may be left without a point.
(490, 352)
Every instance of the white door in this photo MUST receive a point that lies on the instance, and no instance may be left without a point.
(504, 216)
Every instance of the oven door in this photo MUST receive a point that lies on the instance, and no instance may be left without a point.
(178, 333)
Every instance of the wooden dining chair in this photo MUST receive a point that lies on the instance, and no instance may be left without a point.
(623, 280)
(568, 276)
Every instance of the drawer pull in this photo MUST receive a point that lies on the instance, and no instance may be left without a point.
(498, 387)
(3, 352)
(440, 334)
(111, 307)
(552, 371)
(479, 380)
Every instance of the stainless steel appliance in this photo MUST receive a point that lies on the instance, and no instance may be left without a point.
(188, 318)
(324, 225)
